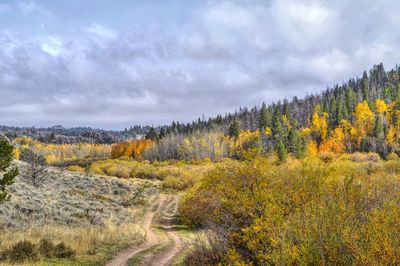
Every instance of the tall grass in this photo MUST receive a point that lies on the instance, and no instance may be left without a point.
(84, 240)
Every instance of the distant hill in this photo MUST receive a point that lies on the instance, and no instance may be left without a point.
(58, 134)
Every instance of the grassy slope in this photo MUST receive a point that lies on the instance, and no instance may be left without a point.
(95, 215)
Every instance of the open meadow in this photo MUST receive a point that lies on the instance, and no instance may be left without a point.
(92, 215)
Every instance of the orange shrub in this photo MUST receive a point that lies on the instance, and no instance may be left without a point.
(133, 148)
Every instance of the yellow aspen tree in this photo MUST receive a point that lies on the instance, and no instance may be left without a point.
(267, 131)
(364, 121)
(335, 143)
(390, 136)
(380, 106)
(312, 148)
(319, 124)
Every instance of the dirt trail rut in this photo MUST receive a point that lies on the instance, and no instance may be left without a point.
(165, 208)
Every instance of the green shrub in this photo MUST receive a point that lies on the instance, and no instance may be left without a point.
(174, 182)
(3, 255)
(63, 251)
(46, 248)
(144, 175)
(26, 251)
(21, 251)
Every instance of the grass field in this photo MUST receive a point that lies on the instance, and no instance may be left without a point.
(93, 215)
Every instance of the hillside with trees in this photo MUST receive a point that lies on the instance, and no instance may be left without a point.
(359, 115)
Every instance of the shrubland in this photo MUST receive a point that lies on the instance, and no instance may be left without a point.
(85, 216)
(313, 211)
(175, 175)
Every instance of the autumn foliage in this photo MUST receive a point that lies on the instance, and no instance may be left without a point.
(308, 212)
(64, 153)
(133, 148)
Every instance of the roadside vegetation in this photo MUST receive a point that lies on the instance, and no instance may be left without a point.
(344, 211)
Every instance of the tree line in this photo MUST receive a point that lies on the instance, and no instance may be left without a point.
(362, 114)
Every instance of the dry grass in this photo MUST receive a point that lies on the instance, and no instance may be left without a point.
(94, 215)
(82, 239)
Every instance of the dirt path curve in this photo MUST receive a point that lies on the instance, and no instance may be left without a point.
(168, 220)
(166, 207)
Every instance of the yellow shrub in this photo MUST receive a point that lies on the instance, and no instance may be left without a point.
(290, 214)
(76, 168)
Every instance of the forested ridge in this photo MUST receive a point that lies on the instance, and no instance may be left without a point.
(338, 101)
(359, 115)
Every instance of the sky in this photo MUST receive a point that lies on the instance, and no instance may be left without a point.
(114, 64)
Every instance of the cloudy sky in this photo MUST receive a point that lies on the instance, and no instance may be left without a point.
(112, 64)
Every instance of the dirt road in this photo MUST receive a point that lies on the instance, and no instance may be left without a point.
(162, 212)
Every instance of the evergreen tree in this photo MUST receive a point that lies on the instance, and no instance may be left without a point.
(152, 134)
(296, 144)
(339, 113)
(277, 129)
(387, 93)
(162, 133)
(365, 87)
(378, 129)
(333, 110)
(233, 130)
(286, 109)
(350, 100)
(265, 118)
(291, 140)
(300, 148)
(7, 173)
(325, 105)
(281, 151)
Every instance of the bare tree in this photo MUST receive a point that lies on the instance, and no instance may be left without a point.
(36, 170)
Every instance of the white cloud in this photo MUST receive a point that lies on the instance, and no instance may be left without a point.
(52, 45)
(334, 62)
(225, 55)
(230, 24)
(374, 52)
(305, 24)
(101, 31)
(236, 77)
